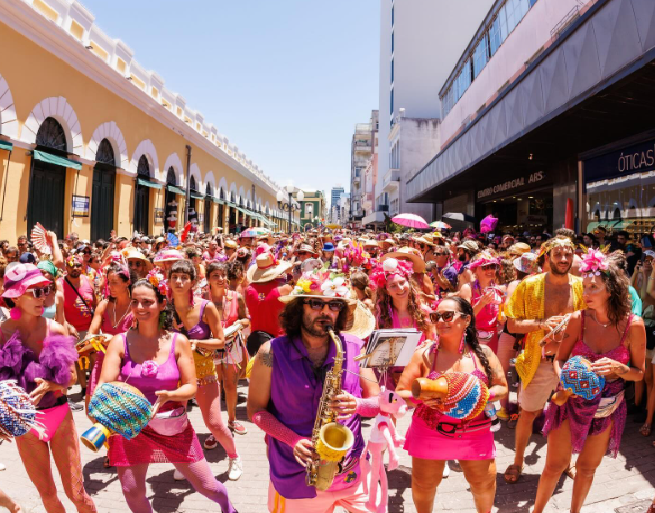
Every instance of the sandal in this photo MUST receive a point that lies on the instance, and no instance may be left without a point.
(571, 471)
(646, 429)
(513, 473)
(513, 419)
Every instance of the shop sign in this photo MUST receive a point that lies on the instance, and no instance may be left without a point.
(512, 185)
(80, 206)
(159, 216)
(632, 159)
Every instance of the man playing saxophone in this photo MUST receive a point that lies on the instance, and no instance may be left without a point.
(288, 388)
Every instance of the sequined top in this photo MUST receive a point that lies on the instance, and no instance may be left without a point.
(204, 363)
(527, 302)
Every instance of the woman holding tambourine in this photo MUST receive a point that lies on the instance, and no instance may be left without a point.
(613, 343)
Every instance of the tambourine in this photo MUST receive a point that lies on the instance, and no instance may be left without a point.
(18, 415)
(577, 378)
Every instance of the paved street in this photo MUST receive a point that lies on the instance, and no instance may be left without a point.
(617, 483)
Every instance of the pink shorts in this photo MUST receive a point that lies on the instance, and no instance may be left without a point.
(353, 499)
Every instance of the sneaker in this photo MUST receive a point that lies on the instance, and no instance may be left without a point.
(446, 471)
(178, 476)
(210, 443)
(2, 467)
(75, 406)
(237, 427)
(235, 469)
(502, 414)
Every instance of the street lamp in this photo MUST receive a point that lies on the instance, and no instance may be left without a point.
(288, 205)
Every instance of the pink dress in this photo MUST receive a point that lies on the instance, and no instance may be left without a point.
(149, 446)
(580, 412)
(427, 440)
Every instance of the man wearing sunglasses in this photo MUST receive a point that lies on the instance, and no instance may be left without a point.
(536, 307)
(290, 372)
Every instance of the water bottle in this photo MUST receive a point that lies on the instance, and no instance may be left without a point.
(490, 411)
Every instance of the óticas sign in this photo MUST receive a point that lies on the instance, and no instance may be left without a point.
(511, 185)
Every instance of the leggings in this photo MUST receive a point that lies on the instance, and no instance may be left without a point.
(199, 474)
(209, 399)
(65, 448)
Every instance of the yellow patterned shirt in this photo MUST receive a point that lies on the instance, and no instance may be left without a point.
(527, 302)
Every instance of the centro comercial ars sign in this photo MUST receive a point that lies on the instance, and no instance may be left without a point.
(511, 185)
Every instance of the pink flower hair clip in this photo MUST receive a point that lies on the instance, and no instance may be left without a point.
(388, 268)
(594, 263)
(157, 280)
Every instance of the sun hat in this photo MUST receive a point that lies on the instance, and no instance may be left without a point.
(410, 254)
(307, 248)
(363, 322)
(483, 258)
(267, 268)
(328, 246)
(391, 242)
(323, 285)
(424, 240)
(470, 246)
(371, 242)
(526, 263)
(131, 253)
(20, 277)
(169, 255)
(519, 248)
(230, 244)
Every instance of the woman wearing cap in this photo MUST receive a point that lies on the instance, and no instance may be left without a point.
(200, 321)
(420, 279)
(267, 283)
(485, 297)
(434, 438)
(43, 347)
(232, 307)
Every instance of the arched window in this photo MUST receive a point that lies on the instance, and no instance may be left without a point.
(143, 168)
(209, 190)
(105, 153)
(171, 177)
(51, 135)
(221, 193)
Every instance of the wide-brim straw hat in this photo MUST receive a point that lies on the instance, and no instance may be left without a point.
(363, 322)
(267, 268)
(169, 255)
(407, 254)
(230, 244)
(132, 253)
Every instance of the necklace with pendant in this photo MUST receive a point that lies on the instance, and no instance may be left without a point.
(600, 323)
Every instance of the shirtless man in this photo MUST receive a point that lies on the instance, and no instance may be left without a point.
(538, 305)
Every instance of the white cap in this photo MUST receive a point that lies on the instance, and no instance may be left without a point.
(649, 253)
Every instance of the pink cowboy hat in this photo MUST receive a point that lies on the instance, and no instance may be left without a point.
(20, 277)
(169, 255)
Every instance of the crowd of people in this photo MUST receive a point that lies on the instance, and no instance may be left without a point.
(185, 321)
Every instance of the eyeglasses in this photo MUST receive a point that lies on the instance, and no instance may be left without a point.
(446, 316)
(317, 304)
(41, 292)
(489, 267)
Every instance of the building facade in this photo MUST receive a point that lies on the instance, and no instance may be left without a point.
(335, 196)
(311, 209)
(548, 111)
(91, 142)
(361, 147)
(419, 43)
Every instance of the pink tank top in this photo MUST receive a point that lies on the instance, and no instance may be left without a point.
(487, 318)
(122, 326)
(230, 309)
(166, 377)
(620, 353)
(76, 311)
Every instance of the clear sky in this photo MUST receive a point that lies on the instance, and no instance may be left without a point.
(284, 80)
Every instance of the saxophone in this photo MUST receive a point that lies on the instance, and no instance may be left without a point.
(330, 440)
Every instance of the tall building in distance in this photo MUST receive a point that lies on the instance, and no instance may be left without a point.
(336, 193)
(420, 41)
(362, 150)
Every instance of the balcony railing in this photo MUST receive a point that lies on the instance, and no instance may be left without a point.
(382, 208)
(391, 180)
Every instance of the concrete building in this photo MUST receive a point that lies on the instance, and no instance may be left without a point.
(311, 209)
(550, 109)
(362, 148)
(91, 142)
(419, 43)
(335, 194)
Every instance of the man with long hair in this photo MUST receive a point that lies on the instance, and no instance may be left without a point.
(289, 374)
(536, 307)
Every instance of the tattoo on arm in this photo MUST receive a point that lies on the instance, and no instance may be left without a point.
(266, 357)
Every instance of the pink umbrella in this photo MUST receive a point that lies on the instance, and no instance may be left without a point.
(411, 221)
(488, 224)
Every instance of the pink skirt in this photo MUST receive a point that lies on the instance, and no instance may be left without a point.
(428, 444)
(151, 447)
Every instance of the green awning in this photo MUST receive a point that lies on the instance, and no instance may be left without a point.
(175, 189)
(196, 195)
(58, 161)
(216, 200)
(6, 145)
(231, 205)
(242, 210)
(148, 183)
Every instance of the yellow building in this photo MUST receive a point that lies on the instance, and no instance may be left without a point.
(90, 141)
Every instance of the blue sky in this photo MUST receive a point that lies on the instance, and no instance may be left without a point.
(284, 80)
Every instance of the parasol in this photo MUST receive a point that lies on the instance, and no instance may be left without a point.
(440, 225)
(256, 231)
(457, 216)
(410, 221)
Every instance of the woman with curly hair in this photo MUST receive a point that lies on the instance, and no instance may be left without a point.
(613, 339)
(434, 438)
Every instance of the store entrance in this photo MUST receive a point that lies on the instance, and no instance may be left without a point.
(528, 212)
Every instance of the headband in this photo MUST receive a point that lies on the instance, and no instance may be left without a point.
(72, 260)
(391, 267)
(555, 242)
(594, 263)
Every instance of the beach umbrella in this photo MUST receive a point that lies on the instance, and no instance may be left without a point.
(457, 216)
(410, 221)
(256, 231)
(440, 225)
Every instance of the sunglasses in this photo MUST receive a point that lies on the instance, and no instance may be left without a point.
(440, 254)
(317, 304)
(489, 267)
(41, 292)
(446, 316)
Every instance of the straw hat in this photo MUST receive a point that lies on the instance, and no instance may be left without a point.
(407, 254)
(363, 322)
(169, 255)
(230, 244)
(424, 240)
(518, 249)
(267, 268)
(307, 248)
(131, 253)
(371, 243)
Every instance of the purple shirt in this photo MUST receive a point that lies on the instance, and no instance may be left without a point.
(295, 395)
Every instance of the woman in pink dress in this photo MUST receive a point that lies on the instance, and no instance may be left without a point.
(432, 438)
(160, 364)
(614, 341)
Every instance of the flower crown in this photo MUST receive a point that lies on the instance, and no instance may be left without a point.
(390, 267)
(594, 263)
(331, 285)
(156, 278)
(72, 260)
